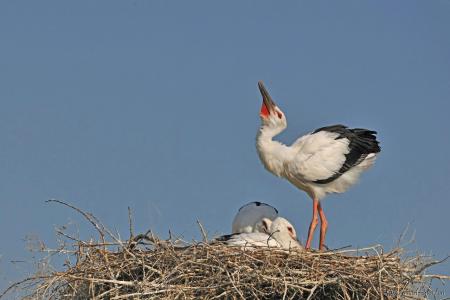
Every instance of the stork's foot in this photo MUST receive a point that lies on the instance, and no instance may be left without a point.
(324, 248)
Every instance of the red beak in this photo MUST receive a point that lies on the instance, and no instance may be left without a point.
(268, 105)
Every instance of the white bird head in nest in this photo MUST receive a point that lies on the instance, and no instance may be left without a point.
(280, 229)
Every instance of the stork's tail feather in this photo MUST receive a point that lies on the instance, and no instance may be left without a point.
(366, 141)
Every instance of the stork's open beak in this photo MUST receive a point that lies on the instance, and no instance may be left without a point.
(268, 103)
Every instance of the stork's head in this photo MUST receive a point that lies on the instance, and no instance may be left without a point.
(271, 115)
(282, 231)
(279, 225)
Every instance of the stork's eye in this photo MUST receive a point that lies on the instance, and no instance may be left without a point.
(291, 230)
(280, 115)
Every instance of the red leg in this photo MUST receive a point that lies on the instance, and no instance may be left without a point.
(323, 227)
(313, 224)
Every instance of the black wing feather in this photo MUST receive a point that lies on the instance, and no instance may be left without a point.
(226, 237)
(362, 143)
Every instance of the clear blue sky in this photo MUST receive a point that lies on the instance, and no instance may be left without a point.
(154, 105)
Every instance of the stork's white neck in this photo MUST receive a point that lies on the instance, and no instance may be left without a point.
(272, 153)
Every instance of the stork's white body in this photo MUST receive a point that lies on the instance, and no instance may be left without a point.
(312, 157)
(256, 239)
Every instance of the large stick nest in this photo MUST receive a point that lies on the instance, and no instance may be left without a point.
(148, 268)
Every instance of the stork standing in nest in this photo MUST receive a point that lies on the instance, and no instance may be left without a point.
(327, 160)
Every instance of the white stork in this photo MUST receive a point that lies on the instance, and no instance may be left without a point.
(278, 233)
(250, 215)
(327, 160)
